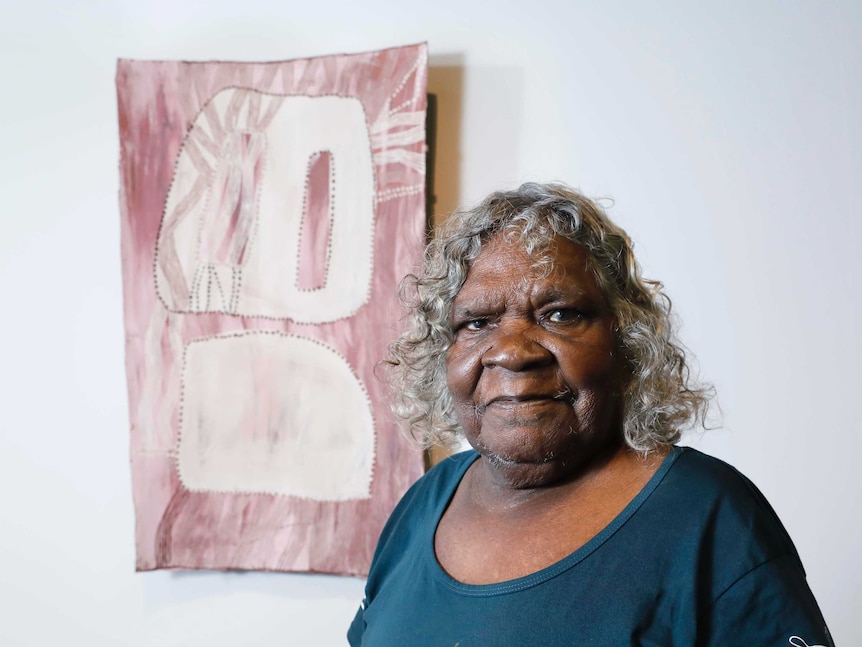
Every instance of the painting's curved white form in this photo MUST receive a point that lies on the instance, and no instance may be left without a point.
(272, 413)
(233, 218)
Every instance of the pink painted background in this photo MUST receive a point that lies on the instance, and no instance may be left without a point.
(176, 528)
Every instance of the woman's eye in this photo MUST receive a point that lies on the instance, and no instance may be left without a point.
(476, 324)
(564, 315)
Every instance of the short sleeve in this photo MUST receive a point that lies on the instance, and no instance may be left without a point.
(770, 606)
(357, 627)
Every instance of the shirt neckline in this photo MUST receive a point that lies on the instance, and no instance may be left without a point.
(534, 579)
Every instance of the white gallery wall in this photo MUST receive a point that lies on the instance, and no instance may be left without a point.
(728, 135)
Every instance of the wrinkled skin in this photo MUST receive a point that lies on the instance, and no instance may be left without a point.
(536, 380)
(532, 369)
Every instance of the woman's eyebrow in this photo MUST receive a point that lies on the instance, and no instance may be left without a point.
(477, 304)
(466, 311)
(558, 294)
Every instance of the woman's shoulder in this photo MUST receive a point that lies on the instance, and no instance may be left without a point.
(714, 497)
(440, 481)
(722, 530)
(425, 499)
(707, 477)
(411, 525)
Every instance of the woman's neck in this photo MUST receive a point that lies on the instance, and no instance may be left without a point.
(493, 532)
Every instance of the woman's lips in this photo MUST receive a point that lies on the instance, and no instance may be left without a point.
(527, 400)
(562, 395)
(519, 398)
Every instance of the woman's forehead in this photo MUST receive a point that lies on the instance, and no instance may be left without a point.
(504, 264)
(559, 253)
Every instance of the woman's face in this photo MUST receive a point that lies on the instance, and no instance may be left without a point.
(532, 368)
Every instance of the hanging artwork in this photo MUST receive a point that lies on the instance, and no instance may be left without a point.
(268, 213)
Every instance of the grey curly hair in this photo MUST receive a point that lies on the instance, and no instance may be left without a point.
(660, 398)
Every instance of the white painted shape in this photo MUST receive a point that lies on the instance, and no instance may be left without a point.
(274, 413)
(303, 127)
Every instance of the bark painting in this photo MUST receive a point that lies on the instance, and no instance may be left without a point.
(268, 212)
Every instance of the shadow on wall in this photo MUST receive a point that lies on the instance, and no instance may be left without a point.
(480, 117)
(446, 81)
(446, 84)
(497, 102)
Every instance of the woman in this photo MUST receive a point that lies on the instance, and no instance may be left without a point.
(575, 520)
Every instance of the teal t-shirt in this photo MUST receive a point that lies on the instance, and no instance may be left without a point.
(697, 558)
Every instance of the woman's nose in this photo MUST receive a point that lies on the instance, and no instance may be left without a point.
(516, 348)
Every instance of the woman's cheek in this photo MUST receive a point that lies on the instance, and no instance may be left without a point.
(463, 368)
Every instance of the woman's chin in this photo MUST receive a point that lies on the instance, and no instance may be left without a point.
(521, 464)
(521, 476)
(520, 468)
